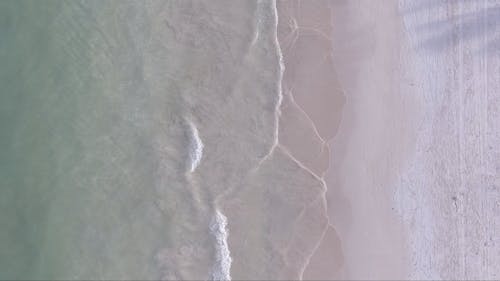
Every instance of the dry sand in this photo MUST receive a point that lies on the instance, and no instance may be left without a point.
(451, 192)
(375, 140)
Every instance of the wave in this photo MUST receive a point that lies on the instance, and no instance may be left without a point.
(196, 147)
(222, 267)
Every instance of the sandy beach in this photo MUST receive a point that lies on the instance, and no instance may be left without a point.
(353, 86)
(250, 140)
(350, 94)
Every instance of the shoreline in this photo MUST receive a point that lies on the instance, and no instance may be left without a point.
(365, 237)
(304, 131)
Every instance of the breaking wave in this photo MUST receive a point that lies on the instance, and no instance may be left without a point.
(222, 267)
(196, 147)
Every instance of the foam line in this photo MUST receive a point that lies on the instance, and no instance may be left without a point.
(222, 267)
(196, 147)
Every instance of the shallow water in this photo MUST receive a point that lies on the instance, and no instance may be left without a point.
(128, 127)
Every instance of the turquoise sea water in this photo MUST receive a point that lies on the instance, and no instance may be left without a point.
(76, 146)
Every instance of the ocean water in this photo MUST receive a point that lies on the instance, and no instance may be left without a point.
(138, 140)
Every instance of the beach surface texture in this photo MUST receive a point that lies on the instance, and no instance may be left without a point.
(250, 140)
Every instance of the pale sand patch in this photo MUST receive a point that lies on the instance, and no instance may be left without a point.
(375, 139)
(451, 191)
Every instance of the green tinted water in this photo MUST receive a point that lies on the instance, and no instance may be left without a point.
(76, 168)
(98, 105)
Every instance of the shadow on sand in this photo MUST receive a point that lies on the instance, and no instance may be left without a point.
(480, 25)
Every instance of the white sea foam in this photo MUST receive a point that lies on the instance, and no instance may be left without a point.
(280, 79)
(281, 63)
(196, 147)
(222, 267)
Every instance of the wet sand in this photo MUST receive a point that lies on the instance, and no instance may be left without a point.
(342, 91)
(312, 108)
